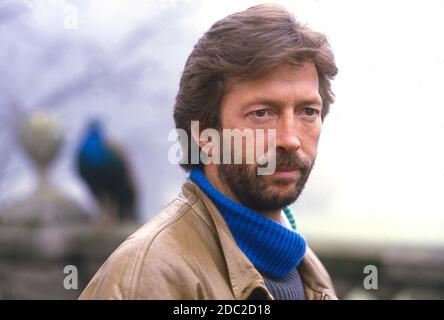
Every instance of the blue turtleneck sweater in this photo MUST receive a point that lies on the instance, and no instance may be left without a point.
(273, 249)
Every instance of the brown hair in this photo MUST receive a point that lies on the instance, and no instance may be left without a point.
(246, 45)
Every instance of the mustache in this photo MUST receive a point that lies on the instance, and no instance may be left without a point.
(289, 160)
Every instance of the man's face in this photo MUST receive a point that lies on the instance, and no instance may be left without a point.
(286, 99)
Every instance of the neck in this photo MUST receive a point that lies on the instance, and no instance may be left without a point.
(214, 178)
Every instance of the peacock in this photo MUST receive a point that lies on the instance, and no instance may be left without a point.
(105, 169)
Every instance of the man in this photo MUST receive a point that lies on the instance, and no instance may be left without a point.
(230, 233)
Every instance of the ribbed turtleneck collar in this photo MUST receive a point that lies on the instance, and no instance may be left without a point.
(271, 247)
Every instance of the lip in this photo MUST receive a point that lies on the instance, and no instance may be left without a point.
(287, 173)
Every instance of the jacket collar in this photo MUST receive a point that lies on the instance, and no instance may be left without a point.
(244, 278)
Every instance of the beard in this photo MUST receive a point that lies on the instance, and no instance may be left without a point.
(261, 192)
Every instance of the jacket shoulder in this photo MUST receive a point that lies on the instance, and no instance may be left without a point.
(154, 262)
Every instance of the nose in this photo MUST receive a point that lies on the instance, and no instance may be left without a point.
(286, 133)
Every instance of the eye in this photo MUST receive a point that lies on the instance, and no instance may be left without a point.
(310, 112)
(260, 113)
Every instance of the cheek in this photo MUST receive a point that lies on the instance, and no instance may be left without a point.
(316, 135)
(311, 140)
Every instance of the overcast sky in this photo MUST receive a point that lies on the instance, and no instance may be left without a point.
(380, 170)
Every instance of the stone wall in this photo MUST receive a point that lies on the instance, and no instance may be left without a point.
(33, 259)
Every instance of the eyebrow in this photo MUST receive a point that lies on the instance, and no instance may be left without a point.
(277, 103)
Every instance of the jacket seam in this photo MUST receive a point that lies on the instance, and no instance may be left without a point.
(321, 289)
(313, 289)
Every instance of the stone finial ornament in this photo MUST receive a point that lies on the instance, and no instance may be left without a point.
(41, 136)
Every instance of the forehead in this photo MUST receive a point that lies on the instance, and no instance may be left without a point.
(283, 82)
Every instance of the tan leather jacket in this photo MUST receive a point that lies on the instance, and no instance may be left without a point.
(187, 252)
